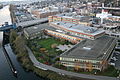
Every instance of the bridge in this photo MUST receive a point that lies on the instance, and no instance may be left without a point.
(109, 8)
(7, 27)
(31, 22)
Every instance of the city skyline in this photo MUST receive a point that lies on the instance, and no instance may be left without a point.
(9, 0)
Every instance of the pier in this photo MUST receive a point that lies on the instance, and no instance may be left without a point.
(9, 61)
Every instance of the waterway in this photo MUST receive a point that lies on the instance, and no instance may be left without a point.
(5, 71)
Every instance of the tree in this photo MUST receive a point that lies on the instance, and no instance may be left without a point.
(77, 65)
(13, 36)
(53, 45)
(42, 49)
(19, 44)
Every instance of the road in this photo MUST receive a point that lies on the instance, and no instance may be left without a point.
(43, 66)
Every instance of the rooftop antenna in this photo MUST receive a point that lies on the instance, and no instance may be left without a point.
(103, 7)
(102, 12)
(117, 2)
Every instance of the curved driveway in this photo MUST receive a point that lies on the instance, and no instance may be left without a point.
(47, 67)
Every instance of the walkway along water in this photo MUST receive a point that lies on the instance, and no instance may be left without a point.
(46, 67)
(9, 61)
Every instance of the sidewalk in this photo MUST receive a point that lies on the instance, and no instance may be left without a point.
(46, 67)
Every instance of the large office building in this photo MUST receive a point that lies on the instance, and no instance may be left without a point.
(78, 30)
(89, 54)
(71, 18)
(61, 35)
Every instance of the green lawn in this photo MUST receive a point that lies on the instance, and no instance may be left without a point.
(46, 43)
(51, 53)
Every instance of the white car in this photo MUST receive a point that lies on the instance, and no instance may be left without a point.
(114, 58)
(113, 64)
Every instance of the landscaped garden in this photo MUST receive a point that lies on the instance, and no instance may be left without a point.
(45, 50)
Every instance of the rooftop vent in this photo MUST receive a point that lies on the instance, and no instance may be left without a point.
(87, 48)
(35, 27)
(70, 26)
(58, 23)
(63, 14)
(90, 30)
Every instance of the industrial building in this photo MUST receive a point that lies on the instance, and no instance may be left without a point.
(36, 31)
(89, 54)
(79, 30)
(71, 18)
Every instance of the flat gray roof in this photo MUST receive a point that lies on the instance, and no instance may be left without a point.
(37, 28)
(90, 49)
(79, 28)
(32, 22)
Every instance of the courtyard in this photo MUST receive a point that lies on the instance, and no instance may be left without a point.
(46, 50)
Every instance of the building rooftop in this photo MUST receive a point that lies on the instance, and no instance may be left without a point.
(79, 28)
(48, 9)
(90, 49)
(37, 28)
(75, 16)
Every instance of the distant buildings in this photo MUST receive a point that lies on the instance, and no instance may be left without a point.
(71, 18)
(105, 15)
(45, 12)
(110, 23)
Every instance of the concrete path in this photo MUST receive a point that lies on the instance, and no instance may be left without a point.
(46, 67)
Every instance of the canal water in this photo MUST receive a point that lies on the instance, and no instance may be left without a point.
(5, 71)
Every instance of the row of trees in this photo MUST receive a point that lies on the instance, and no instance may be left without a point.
(18, 44)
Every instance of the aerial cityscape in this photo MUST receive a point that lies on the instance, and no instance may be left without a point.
(60, 39)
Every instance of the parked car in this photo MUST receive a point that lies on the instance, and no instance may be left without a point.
(114, 58)
(113, 64)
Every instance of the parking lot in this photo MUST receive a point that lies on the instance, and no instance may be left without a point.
(115, 60)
